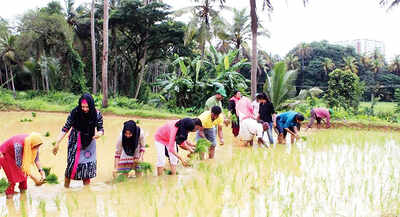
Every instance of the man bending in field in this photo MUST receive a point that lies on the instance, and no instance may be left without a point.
(320, 114)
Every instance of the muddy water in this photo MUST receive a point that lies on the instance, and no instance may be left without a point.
(10, 125)
(332, 173)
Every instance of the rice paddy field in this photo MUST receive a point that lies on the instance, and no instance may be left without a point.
(337, 172)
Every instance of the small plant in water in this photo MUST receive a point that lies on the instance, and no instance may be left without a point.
(47, 134)
(33, 114)
(144, 167)
(169, 172)
(138, 121)
(46, 171)
(52, 179)
(53, 143)
(202, 146)
(147, 145)
(3, 185)
(121, 178)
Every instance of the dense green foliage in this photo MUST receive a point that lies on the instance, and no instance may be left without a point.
(344, 89)
(279, 85)
(157, 62)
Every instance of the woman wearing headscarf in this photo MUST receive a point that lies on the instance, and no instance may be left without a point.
(170, 136)
(129, 149)
(17, 155)
(81, 161)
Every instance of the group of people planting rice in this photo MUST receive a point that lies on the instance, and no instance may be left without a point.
(249, 120)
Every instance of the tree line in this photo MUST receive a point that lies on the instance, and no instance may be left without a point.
(152, 57)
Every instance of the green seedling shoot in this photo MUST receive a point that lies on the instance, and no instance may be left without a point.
(144, 167)
(138, 121)
(46, 171)
(234, 118)
(33, 114)
(3, 185)
(147, 145)
(47, 134)
(52, 179)
(202, 146)
(121, 178)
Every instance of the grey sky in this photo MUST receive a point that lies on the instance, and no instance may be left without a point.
(291, 23)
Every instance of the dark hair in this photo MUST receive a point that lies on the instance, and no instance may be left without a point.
(260, 96)
(299, 117)
(216, 110)
(197, 122)
(235, 92)
(266, 97)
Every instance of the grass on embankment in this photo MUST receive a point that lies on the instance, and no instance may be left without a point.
(65, 102)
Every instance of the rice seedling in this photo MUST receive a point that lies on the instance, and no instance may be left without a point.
(144, 167)
(3, 185)
(47, 134)
(52, 179)
(137, 121)
(26, 120)
(57, 201)
(121, 178)
(33, 114)
(42, 207)
(46, 171)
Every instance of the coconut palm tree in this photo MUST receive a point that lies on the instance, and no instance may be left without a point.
(394, 67)
(239, 32)
(7, 53)
(292, 62)
(328, 65)
(105, 56)
(280, 85)
(303, 51)
(365, 61)
(204, 23)
(391, 4)
(254, 20)
(350, 64)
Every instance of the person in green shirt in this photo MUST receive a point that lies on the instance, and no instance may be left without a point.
(215, 100)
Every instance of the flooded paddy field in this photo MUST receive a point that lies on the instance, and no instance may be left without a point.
(340, 172)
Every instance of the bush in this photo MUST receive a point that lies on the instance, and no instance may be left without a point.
(344, 89)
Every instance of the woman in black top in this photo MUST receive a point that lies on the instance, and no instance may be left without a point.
(267, 114)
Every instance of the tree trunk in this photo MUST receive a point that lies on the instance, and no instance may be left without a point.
(12, 82)
(105, 56)
(254, 22)
(141, 74)
(1, 78)
(142, 62)
(7, 79)
(93, 40)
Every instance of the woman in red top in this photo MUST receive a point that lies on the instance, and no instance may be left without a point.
(169, 137)
(17, 154)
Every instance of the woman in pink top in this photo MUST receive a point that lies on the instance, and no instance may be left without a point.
(320, 114)
(169, 137)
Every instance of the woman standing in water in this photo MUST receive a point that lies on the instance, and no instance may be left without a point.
(169, 137)
(129, 149)
(17, 155)
(81, 161)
